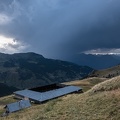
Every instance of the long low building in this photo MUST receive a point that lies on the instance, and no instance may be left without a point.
(44, 96)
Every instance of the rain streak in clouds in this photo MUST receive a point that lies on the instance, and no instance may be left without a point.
(60, 28)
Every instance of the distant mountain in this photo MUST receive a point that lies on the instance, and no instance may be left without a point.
(6, 90)
(106, 73)
(27, 70)
(97, 62)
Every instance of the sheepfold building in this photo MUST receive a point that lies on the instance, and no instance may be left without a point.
(47, 95)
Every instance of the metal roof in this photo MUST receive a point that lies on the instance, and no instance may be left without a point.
(43, 96)
(18, 105)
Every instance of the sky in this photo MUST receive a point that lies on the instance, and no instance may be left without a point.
(60, 29)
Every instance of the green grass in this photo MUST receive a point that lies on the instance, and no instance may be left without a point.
(7, 100)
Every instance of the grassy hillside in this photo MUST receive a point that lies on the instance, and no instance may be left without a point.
(87, 83)
(102, 102)
(107, 73)
(108, 85)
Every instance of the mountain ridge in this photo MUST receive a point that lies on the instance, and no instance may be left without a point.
(106, 73)
(27, 70)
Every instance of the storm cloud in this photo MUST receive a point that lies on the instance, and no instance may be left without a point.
(61, 28)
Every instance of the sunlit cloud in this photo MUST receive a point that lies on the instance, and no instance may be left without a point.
(112, 51)
(11, 45)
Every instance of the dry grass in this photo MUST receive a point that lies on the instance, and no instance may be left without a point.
(107, 73)
(87, 83)
(103, 105)
(108, 85)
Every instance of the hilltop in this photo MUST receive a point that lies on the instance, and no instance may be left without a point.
(101, 102)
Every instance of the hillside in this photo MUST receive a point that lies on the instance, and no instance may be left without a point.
(106, 73)
(27, 70)
(108, 85)
(86, 83)
(6, 90)
(104, 104)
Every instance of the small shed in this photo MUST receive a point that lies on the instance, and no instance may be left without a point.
(13, 107)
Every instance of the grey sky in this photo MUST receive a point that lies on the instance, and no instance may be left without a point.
(58, 28)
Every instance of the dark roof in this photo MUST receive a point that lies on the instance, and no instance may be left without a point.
(18, 105)
(43, 96)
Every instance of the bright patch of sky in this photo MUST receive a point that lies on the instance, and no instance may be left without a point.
(11, 45)
(112, 51)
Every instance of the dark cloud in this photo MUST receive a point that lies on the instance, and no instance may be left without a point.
(62, 28)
